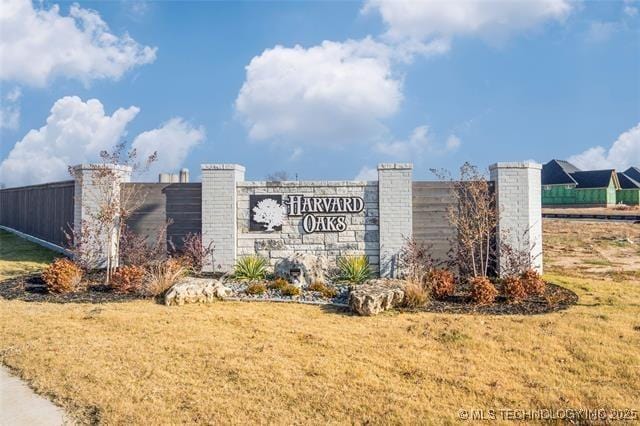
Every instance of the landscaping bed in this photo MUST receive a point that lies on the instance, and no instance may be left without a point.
(31, 288)
(239, 292)
(556, 298)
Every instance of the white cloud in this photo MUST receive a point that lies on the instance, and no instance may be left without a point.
(14, 94)
(367, 173)
(624, 152)
(630, 9)
(428, 20)
(453, 143)
(601, 31)
(417, 143)
(333, 93)
(173, 141)
(37, 45)
(75, 132)
(10, 109)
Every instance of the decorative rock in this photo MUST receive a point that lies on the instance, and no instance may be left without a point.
(312, 268)
(375, 296)
(196, 290)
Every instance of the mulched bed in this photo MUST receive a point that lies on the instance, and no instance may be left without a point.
(31, 288)
(555, 299)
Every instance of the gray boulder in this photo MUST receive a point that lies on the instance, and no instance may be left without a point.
(312, 268)
(375, 296)
(196, 290)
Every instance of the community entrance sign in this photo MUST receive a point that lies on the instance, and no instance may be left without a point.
(319, 214)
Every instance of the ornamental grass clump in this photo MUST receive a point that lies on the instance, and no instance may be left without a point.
(161, 276)
(442, 283)
(514, 289)
(278, 284)
(290, 290)
(415, 295)
(250, 268)
(354, 269)
(256, 288)
(128, 279)
(62, 276)
(533, 284)
(322, 288)
(483, 292)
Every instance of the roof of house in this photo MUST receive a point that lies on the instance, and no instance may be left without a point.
(558, 172)
(633, 173)
(626, 182)
(595, 178)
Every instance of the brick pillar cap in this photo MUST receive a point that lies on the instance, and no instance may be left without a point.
(220, 166)
(516, 165)
(395, 166)
(94, 166)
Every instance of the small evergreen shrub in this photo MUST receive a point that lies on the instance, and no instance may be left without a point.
(325, 290)
(415, 295)
(278, 284)
(290, 290)
(256, 288)
(533, 284)
(514, 289)
(250, 268)
(354, 269)
(442, 283)
(483, 292)
(128, 279)
(62, 276)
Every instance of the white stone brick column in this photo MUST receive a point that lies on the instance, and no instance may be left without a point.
(219, 218)
(396, 213)
(519, 200)
(97, 185)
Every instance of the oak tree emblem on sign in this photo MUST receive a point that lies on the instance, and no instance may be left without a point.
(269, 213)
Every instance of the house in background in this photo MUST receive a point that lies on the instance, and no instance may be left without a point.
(629, 192)
(564, 185)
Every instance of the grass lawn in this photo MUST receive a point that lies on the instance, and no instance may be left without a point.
(234, 362)
(19, 256)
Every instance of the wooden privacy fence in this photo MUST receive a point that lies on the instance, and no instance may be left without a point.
(43, 211)
(178, 203)
(431, 226)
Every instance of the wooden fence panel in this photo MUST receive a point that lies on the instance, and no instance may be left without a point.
(43, 211)
(179, 203)
(431, 203)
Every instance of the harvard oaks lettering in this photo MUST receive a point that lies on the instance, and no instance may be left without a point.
(319, 214)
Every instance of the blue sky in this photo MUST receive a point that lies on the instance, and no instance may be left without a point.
(434, 83)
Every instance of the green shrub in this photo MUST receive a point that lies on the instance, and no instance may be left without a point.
(354, 269)
(290, 290)
(325, 290)
(256, 288)
(250, 268)
(278, 284)
(62, 276)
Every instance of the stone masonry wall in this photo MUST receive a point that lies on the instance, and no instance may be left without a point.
(360, 238)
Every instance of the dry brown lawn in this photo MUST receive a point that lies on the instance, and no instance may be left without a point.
(234, 362)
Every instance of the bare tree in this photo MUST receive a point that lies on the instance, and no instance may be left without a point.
(474, 214)
(279, 176)
(105, 224)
